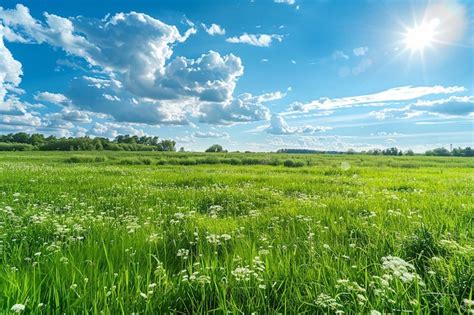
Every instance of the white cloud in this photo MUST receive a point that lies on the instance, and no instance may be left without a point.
(462, 106)
(289, 2)
(27, 119)
(140, 82)
(453, 105)
(111, 130)
(278, 126)
(54, 98)
(262, 98)
(108, 96)
(339, 54)
(13, 112)
(57, 31)
(403, 93)
(362, 66)
(70, 115)
(214, 29)
(260, 40)
(210, 134)
(360, 51)
(244, 108)
(185, 139)
(10, 69)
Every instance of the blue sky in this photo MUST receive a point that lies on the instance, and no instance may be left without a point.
(250, 75)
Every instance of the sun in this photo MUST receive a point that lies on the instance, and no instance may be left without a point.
(421, 36)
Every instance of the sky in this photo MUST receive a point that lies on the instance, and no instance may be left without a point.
(255, 75)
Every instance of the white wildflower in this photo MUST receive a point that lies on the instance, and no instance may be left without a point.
(18, 308)
(401, 269)
(242, 273)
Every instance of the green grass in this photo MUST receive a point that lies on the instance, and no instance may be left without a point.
(154, 233)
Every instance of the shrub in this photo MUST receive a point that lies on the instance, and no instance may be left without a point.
(4, 146)
(187, 162)
(292, 163)
(252, 161)
(130, 162)
(234, 161)
(210, 160)
(160, 162)
(85, 159)
(80, 159)
(146, 161)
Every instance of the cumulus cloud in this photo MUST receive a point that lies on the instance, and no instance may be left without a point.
(260, 40)
(210, 134)
(10, 69)
(403, 93)
(214, 29)
(241, 109)
(13, 112)
(140, 81)
(57, 31)
(360, 51)
(27, 119)
(70, 115)
(107, 96)
(53, 98)
(278, 126)
(111, 130)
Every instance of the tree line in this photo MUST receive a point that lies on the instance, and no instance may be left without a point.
(389, 151)
(22, 141)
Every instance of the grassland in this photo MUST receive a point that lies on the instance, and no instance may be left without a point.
(192, 233)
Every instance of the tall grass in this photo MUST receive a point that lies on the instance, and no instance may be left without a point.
(164, 233)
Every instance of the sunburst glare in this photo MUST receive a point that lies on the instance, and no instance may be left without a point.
(422, 36)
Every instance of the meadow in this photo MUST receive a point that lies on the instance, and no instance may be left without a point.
(153, 233)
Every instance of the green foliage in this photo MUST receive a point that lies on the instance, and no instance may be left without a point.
(22, 142)
(293, 163)
(4, 146)
(438, 152)
(85, 159)
(421, 246)
(215, 148)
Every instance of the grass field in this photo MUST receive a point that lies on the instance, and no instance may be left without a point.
(192, 233)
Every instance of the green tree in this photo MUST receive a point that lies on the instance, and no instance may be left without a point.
(215, 148)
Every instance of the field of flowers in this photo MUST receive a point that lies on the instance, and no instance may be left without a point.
(150, 234)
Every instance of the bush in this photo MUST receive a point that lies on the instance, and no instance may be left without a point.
(130, 162)
(234, 161)
(85, 159)
(209, 160)
(160, 162)
(292, 163)
(146, 161)
(252, 161)
(274, 162)
(4, 146)
(80, 159)
(187, 162)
